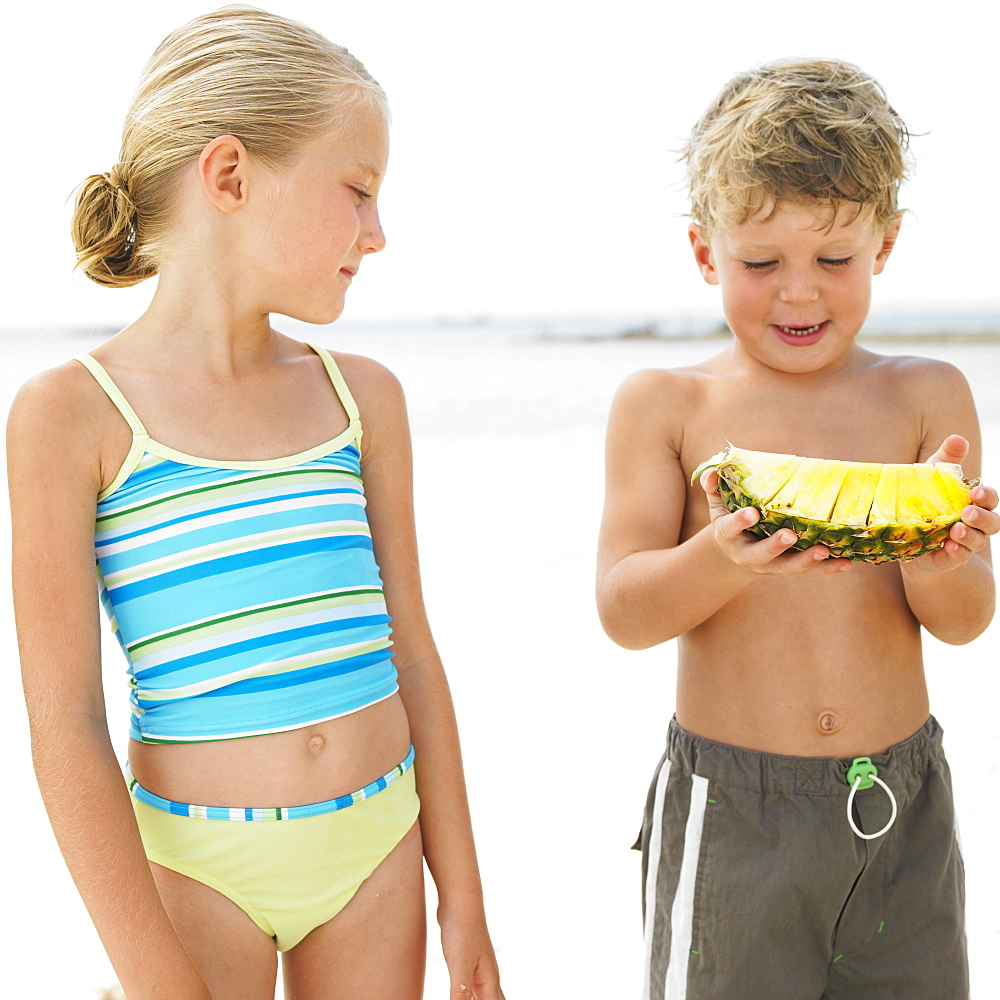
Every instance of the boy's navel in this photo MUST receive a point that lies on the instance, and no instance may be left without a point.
(828, 723)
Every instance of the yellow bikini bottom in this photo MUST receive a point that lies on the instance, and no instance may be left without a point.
(288, 875)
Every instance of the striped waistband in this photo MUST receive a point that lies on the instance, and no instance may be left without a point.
(240, 814)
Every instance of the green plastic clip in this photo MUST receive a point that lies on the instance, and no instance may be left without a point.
(864, 769)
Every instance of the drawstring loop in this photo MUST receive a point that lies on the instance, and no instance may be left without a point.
(860, 775)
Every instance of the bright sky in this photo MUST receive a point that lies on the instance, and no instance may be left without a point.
(532, 168)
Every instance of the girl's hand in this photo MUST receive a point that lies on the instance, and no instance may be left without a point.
(472, 965)
(771, 556)
(979, 519)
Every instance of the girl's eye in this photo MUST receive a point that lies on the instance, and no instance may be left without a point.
(361, 193)
(835, 261)
(758, 265)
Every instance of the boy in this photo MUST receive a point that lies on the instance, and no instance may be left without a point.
(793, 664)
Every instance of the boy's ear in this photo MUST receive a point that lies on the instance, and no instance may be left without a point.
(888, 242)
(223, 167)
(703, 254)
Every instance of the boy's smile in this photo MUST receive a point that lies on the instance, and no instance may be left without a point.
(790, 280)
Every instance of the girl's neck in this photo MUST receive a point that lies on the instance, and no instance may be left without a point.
(205, 320)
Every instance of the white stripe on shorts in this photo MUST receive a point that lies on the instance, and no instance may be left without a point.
(682, 912)
(652, 868)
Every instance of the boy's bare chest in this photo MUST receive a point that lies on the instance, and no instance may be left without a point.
(864, 424)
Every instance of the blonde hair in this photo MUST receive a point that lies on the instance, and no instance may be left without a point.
(275, 84)
(810, 131)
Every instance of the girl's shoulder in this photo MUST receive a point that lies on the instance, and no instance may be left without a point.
(65, 397)
(61, 419)
(362, 373)
(378, 395)
(372, 384)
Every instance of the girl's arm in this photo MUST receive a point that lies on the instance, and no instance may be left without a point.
(652, 587)
(444, 811)
(54, 475)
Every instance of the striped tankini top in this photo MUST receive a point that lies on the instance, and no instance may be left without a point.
(245, 595)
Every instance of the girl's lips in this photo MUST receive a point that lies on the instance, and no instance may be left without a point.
(800, 336)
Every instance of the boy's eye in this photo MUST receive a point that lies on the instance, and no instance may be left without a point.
(835, 261)
(758, 265)
(361, 193)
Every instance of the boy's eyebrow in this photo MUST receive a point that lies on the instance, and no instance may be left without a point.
(841, 244)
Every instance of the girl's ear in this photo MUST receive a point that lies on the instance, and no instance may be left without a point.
(224, 166)
(703, 254)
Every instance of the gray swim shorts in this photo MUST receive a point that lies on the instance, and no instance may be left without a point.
(756, 887)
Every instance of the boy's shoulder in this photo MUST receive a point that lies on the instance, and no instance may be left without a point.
(660, 386)
(927, 382)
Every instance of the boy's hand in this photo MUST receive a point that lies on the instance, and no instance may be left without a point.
(979, 519)
(770, 556)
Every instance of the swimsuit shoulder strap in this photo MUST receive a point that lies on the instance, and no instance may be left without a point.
(339, 383)
(114, 393)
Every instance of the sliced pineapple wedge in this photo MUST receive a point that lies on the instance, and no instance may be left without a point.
(862, 511)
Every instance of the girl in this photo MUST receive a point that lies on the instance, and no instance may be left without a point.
(246, 569)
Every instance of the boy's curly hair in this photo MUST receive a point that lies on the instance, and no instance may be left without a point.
(812, 130)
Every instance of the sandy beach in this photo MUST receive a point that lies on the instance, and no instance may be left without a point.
(561, 729)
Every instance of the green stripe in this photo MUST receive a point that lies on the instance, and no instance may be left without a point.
(186, 630)
(122, 511)
(271, 539)
(270, 668)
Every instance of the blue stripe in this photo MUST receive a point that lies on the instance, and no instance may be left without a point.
(260, 642)
(271, 813)
(235, 563)
(203, 717)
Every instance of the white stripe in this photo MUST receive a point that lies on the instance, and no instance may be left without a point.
(652, 868)
(220, 639)
(142, 535)
(682, 913)
(332, 594)
(234, 547)
(269, 668)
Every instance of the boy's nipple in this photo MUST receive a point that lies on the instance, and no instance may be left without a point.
(828, 723)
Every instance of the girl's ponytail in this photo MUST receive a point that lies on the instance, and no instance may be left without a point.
(105, 231)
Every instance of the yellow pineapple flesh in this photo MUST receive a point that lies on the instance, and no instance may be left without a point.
(861, 511)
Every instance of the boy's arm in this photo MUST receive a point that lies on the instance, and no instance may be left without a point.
(651, 586)
(951, 591)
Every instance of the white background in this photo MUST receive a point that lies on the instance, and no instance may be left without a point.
(534, 144)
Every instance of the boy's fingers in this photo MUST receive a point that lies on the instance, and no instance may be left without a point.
(953, 449)
(733, 525)
(979, 519)
(985, 497)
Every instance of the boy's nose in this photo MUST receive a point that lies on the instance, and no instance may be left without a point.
(798, 286)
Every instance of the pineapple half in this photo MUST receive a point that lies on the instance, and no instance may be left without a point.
(866, 512)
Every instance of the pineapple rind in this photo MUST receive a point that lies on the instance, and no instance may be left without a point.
(883, 538)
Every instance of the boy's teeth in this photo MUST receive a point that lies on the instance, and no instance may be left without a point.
(800, 331)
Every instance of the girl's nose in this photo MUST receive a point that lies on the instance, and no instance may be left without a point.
(373, 237)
